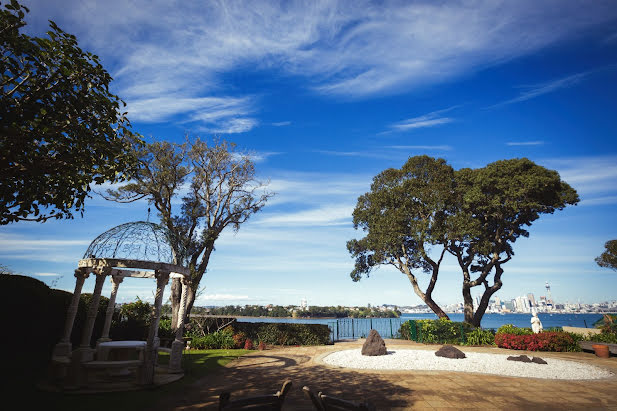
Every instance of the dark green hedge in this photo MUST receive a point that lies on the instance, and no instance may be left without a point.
(285, 333)
(37, 314)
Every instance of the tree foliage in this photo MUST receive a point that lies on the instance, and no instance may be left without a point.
(404, 216)
(474, 214)
(218, 186)
(495, 205)
(608, 258)
(61, 129)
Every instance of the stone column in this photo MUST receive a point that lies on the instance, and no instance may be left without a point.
(115, 283)
(162, 278)
(63, 348)
(93, 308)
(175, 359)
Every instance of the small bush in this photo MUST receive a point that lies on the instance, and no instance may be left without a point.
(544, 341)
(217, 340)
(248, 344)
(440, 331)
(479, 336)
(285, 333)
(514, 330)
(262, 346)
(608, 338)
(239, 339)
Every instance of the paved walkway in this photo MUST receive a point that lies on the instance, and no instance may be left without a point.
(263, 372)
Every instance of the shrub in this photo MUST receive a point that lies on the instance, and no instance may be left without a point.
(608, 338)
(239, 339)
(514, 330)
(544, 341)
(435, 331)
(216, 340)
(248, 344)
(262, 346)
(479, 336)
(285, 333)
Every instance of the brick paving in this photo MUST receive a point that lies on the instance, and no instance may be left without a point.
(263, 372)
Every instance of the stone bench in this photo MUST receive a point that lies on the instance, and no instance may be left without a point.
(113, 369)
(588, 346)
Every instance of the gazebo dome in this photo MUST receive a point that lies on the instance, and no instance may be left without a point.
(140, 240)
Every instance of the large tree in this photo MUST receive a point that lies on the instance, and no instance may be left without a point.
(404, 217)
(608, 258)
(218, 189)
(496, 204)
(61, 129)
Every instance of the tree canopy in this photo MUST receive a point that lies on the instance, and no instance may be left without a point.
(61, 129)
(404, 216)
(495, 206)
(218, 188)
(414, 215)
(608, 258)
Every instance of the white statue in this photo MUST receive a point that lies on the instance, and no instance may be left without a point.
(536, 324)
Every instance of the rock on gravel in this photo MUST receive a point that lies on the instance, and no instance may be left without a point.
(374, 345)
(425, 360)
(450, 351)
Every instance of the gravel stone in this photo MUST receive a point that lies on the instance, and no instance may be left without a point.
(425, 360)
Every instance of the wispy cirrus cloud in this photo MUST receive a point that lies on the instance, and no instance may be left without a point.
(594, 178)
(538, 90)
(346, 48)
(427, 148)
(525, 143)
(432, 119)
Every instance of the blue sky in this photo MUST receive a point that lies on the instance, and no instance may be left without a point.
(329, 94)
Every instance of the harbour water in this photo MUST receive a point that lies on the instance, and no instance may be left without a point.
(343, 328)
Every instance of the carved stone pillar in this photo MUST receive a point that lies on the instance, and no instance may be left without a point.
(94, 307)
(63, 348)
(115, 283)
(175, 360)
(162, 278)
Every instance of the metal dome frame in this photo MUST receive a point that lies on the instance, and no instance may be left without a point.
(125, 251)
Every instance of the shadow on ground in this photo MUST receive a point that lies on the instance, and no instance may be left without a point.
(264, 374)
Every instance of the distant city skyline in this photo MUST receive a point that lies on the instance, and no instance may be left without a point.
(327, 96)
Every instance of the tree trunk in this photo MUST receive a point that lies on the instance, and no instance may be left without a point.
(176, 295)
(486, 297)
(190, 300)
(428, 300)
(436, 309)
(467, 303)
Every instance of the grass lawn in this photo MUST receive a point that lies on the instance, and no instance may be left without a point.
(196, 363)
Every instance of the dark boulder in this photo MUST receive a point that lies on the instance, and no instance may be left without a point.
(520, 358)
(449, 351)
(374, 345)
(538, 360)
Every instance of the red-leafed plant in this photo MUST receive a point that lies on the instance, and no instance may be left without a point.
(545, 341)
(248, 344)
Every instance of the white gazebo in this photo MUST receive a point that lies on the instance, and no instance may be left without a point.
(138, 250)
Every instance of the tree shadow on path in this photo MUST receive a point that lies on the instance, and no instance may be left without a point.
(264, 373)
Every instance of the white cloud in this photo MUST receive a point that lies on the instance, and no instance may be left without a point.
(348, 48)
(9, 242)
(47, 274)
(222, 297)
(594, 178)
(537, 90)
(428, 148)
(427, 120)
(525, 143)
(281, 123)
(332, 215)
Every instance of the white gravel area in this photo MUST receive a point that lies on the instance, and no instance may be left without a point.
(423, 360)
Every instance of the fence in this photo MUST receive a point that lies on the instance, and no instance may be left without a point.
(352, 328)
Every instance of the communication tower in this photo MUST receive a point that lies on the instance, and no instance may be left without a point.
(549, 298)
